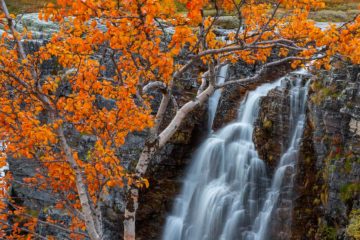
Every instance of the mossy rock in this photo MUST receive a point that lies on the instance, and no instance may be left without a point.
(349, 191)
(181, 137)
(267, 124)
(333, 15)
(326, 232)
(353, 229)
(227, 22)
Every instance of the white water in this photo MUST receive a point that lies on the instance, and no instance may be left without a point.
(39, 29)
(3, 171)
(281, 184)
(226, 184)
(6, 167)
(227, 194)
(214, 99)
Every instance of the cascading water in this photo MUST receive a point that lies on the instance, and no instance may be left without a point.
(5, 168)
(226, 184)
(282, 181)
(227, 194)
(214, 99)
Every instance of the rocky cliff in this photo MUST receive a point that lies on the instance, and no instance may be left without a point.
(168, 169)
(328, 179)
(327, 176)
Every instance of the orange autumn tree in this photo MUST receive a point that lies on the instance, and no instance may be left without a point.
(118, 51)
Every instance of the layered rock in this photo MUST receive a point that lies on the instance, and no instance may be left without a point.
(271, 132)
(328, 178)
(328, 172)
(232, 96)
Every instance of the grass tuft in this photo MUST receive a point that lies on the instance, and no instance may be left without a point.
(26, 6)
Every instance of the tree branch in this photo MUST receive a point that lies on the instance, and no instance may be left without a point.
(264, 68)
(152, 85)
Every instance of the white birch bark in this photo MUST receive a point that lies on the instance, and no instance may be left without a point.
(93, 225)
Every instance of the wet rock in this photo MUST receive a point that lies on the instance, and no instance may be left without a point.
(354, 126)
(227, 22)
(283, 214)
(166, 171)
(272, 129)
(233, 95)
(328, 163)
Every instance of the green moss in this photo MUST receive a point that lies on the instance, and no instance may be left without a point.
(267, 124)
(349, 191)
(350, 105)
(322, 92)
(180, 137)
(348, 165)
(353, 229)
(308, 211)
(316, 201)
(33, 213)
(326, 232)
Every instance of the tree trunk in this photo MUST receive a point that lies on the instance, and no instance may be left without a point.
(130, 211)
(149, 151)
(91, 222)
(93, 225)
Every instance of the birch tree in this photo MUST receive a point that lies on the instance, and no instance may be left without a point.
(119, 51)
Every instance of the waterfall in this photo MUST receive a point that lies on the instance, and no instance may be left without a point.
(214, 99)
(282, 181)
(226, 184)
(227, 194)
(3, 170)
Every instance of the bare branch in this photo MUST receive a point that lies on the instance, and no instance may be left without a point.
(203, 83)
(264, 68)
(173, 126)
(153, 85)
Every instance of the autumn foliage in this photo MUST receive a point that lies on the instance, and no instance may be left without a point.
(108, 51)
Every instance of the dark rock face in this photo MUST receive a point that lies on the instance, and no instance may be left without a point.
(328, 161)
(33, 198)
(168, 168)
(328, 172)
(271, 132)
(232, 95)
(272, 128)
(165, 179)
(272, 136)
(307, 203)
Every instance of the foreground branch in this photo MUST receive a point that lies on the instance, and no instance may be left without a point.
(264, 68)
